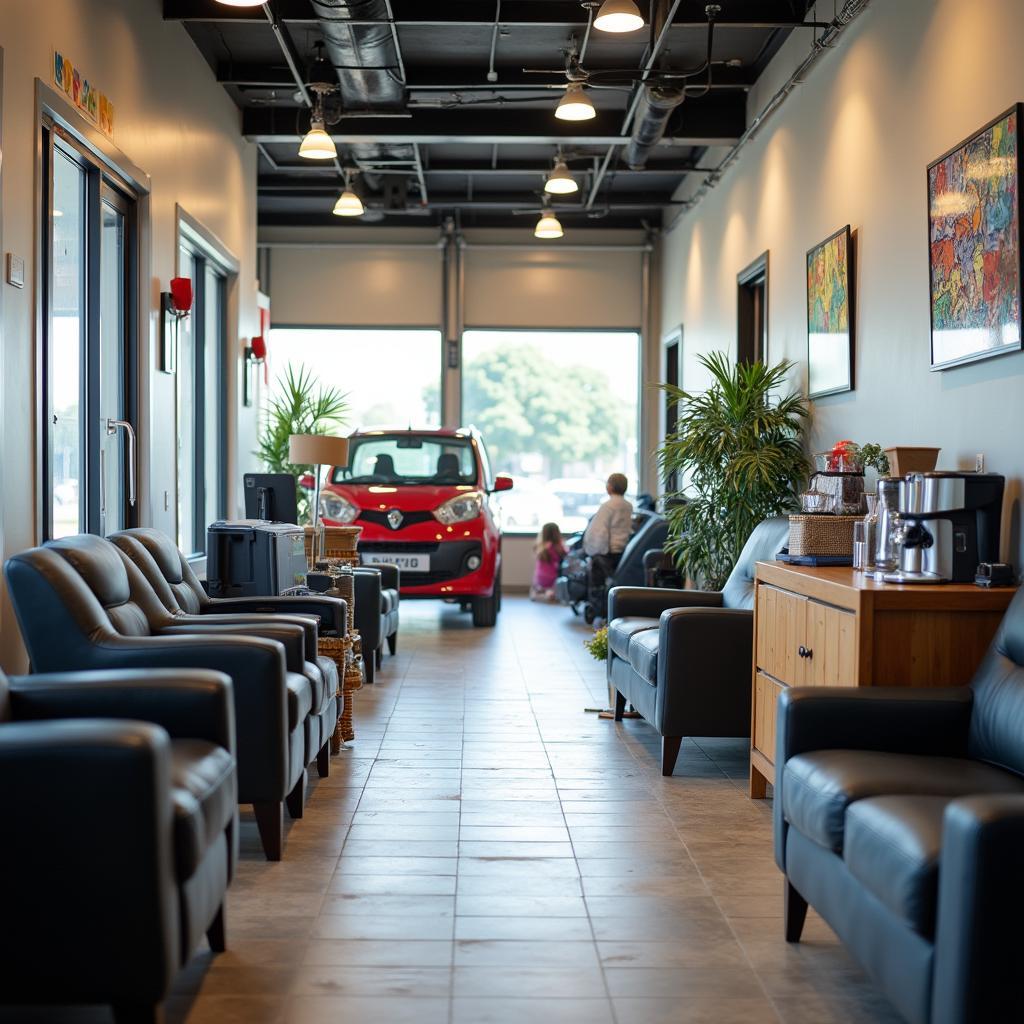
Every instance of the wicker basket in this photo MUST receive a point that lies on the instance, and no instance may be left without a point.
(339, 650)
(339, 544)
(821, 535)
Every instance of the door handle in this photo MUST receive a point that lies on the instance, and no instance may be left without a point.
(112, 427)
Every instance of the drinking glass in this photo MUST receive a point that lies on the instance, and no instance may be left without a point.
(860, 544)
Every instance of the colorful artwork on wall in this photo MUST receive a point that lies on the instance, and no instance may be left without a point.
(830, 308)
(974, 245)
(83, 94)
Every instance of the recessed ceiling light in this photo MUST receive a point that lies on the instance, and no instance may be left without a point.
(619, 16)
(575, 105)
(560, 182)
(548, 226)
(317, 144)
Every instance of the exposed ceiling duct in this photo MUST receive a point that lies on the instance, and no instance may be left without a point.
(656, 107)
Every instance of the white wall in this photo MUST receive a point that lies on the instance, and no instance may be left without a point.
(907, 81)
(174, 122)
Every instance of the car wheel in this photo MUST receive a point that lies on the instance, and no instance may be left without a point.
(485, 609)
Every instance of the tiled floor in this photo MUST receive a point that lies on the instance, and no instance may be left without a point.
(486, 852)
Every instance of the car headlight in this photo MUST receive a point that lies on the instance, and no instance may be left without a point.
(333, 506)
(460, 509)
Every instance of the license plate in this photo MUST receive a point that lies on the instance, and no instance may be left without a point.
(407, 563)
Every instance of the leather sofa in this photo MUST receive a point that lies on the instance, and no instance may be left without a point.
(84, 592)
(682, 657)
(376, 618)
(118, 790)
(182, 597)
(899, 816)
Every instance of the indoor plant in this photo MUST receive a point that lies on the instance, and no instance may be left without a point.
(301, 405)
(739, 448)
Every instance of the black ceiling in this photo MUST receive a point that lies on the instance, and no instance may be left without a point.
(463, 146)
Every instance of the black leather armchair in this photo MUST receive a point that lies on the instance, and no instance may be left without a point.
(119, 789)
(183, 608)
(899, 816)
(376, 617)
(682, 657)
(81, 604)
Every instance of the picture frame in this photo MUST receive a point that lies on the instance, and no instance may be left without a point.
(974, 245)
(831, 314)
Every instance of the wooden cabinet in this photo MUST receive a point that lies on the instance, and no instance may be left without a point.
(836, 627)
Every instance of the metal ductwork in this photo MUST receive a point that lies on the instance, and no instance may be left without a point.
(369, 69)
(656, 107)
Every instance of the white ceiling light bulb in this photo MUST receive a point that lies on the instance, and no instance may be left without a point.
(348, 205)
(575, 105)
(619, 16)
(241, 3)
(548, 226)
(317, 144)
(560, 182)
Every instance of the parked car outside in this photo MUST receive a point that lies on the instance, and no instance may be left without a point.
(424, 499)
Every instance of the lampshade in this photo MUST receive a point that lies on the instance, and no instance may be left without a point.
(317, 144)
(575, 105)
(548, 226)
(560, 181)
(317, 450)
(619, 16)
(241, 3)
(348, 205)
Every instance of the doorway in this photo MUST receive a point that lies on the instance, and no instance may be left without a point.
(752, 311)
(89, 397)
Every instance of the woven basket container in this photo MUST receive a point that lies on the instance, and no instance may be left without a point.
(821, 535)
(339, 543)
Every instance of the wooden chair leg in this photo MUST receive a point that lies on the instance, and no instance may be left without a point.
(620, 706)
(215, 934)
(794, 913)
(138, 1013)
(296, 799)
(669, 752)
(393, 642)
(323, 761)
(270, 822)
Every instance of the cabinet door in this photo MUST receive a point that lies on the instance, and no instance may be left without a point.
(831, 638)
(766, 695)
(781, 629)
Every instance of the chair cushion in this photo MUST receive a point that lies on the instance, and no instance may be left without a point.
(300, 699)
(318, 684)
(891, 847)
(621, 631)
(818, 787)
(204, 791)
(329, 670)
(643, 655)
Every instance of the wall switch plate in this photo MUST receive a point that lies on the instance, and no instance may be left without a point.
(15, 271)
(979, 463)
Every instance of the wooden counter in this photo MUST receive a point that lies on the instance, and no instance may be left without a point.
(838, 627)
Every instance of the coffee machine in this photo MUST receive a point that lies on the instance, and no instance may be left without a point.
(949, 522)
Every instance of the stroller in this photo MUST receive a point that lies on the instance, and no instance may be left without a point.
(586, 591)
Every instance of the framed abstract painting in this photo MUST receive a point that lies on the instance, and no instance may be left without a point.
(974, 252)
(830, 320)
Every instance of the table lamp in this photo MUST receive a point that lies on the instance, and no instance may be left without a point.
(317, 451)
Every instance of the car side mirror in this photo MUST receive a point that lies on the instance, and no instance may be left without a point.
(502, 483)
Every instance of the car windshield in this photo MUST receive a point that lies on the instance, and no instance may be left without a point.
(408, 459)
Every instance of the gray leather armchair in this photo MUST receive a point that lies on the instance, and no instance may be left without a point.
(81, 604)
(682, 657)
(120, 792)
(899, 816)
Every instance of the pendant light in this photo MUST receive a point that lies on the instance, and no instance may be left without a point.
(575, 105)
(548, 225)
(241, 3)
(560, 182)
(316, 143)
(348, 204)
(619, 16)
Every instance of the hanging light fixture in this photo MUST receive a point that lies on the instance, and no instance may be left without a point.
(548, 225)
(575, 105)
(241, 3)
(560, 182)
(619, 16)
(316, 143)
(348, 204)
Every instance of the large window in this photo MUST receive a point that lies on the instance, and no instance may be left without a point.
(558, 410)
(202, 487)
(391, 378)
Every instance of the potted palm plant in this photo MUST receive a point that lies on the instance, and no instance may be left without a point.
(738, 447)
(302, 405)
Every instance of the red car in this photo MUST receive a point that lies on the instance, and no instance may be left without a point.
(423, 499)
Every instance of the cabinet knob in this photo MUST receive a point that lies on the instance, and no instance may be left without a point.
(805, 652)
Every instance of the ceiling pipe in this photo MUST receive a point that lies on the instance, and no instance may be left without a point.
(656, 107)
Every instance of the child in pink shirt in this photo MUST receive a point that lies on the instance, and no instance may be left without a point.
(550, 552)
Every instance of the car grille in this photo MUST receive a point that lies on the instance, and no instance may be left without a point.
(404, 547)
(381, 518)
(447, 562)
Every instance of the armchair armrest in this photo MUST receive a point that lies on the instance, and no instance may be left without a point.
(290, 636)
(189, 705)
(310, 623)
(331, 611)
(652, 601)
(981, 900)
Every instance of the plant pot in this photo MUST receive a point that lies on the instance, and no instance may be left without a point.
(904, 459)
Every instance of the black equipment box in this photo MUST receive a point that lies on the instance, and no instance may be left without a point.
(252, 558)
